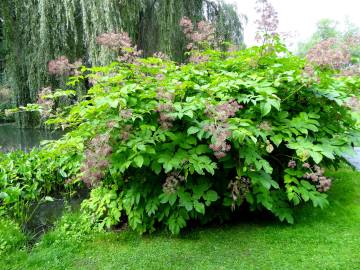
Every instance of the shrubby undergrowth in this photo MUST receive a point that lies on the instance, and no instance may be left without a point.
(162, 144)
(11, 236)
(30, 179)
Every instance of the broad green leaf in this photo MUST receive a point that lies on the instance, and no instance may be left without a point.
(317, 157)
(199, 207)
(192, 130)
(186, 201)
(277, 139)
(265, 108)
(211, 196)
(139, 161)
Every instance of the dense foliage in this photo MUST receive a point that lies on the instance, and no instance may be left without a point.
(162, 145)
(29, 179)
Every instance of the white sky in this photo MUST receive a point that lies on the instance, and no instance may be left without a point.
(300, 16)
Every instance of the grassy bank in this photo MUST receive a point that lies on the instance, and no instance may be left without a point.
(328, 239)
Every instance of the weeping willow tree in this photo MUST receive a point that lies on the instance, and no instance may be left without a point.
(40, 30)
(2, 51)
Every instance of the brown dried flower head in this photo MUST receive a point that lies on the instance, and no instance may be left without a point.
(172, 182)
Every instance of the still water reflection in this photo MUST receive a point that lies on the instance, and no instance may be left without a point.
(12, 137)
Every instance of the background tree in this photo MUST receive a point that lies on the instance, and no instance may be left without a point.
(37, 31)
(2, 51)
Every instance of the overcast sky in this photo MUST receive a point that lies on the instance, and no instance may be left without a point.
(300, 16)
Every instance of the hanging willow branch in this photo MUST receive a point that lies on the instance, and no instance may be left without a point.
(38, 31)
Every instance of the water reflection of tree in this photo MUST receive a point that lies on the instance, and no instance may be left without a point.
(12, 138)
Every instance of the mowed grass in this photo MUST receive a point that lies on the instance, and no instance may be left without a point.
(320, 239)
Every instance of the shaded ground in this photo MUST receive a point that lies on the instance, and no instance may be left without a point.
(328, 239)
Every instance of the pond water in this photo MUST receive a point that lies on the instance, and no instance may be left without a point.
(354, 159)
(12, 137)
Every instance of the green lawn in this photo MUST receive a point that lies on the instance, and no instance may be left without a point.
(328, 239)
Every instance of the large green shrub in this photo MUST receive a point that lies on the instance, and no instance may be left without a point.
(166, 144)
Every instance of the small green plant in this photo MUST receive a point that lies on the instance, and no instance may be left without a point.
(11, 236)
(72, 228)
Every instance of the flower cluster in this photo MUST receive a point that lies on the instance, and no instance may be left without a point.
(292, 164)
(268, 22)
(62, 66)
(352, 70)
(172, 181)
(219, 129)
(125, 132)
(47, 104)
(352, 40)
(114, 41)
(330, 53)
(265, 125)
(316, 175)
(269, 147)
(187, 26)
(220, 134)
(306, 165)
(126, 114)
(310, 75)
(223, 112)
(203, 34)
(165, 119)
(111, 124)
(120, 42)
(96, 160)
(309, 71)
(238, 189)
(162, 94)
